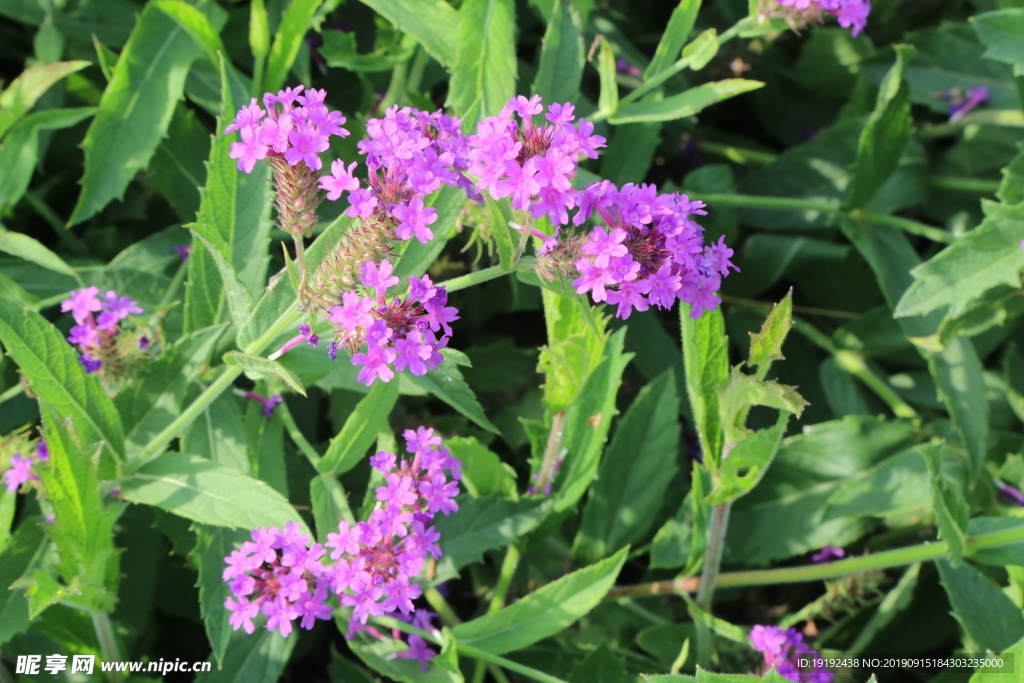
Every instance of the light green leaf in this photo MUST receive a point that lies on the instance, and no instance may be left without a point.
(744, 390)
(483, 472)
(951, 510)
(543, 612)
(959, 378)
(30, 249)
(56, 376)
(255, 658)
(747, 463)
(706, 362)
(432, 22)
(259, 30)
(560, 67)
(369, 418)
(290, 33)
(27, 545)
(213, 544)
(482, 524)
(899, 484)
(136, 109)
(257, 366)
(608, 100)
(687, 103)
(1014, 654)
(766, 345)
(486, 61)
(886, 133)
(202, 491)
(635, 472)
(219, 434)
(684, 16)
(447, 384)
(196, 24)
(986, 614)
(330, 505)
(1000, 31)
(28, 87)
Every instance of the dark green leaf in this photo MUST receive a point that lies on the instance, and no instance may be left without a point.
(951, 510)
(899, 484)
(27, 544)
(433, 22)
(560, 67)
(290, 33)
(1000, 31)
(447, 384)
(330, 505)
(369, 418)
(687, 103)
(213, 545)
(747, 463)
(256, 658)
(600, 666)
(986, 614)
(684, 16)
(486, 61)
(959, 378)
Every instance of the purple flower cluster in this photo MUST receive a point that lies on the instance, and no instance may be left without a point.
(650, 250)
(532, 164)
(95, 336)
(410, 154)
(828, 553)
(378, 559)
(418, 649)
(852, 14)
(398, 333)
(279, 574)
(782, 649)
(961, 103)
(20, 470)
(296, 133)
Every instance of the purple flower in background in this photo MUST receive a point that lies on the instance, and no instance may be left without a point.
(961, 104)
(120, 307)
(268, 402)
(623, 67)
(82, 303)
(1010, 493)
(20, 470)
(96, 336)
(90, 364)
(783, 649)
(851, 14)
(184, 252)
(828, 553)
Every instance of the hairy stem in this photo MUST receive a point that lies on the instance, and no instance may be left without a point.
(709, 576)
(547, 465)
(108, 642)
(470, 279)
(297, 436)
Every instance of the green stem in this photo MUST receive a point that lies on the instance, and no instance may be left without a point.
(887, 559)
(524, 237)
(547, 465)
(441, 606)
(740, 155)
(172, 291)
(474, 278)
(49, 301)
(12, 392)
(107, 641)
(396, 89)
(791, 204)
(977, 185)
(297, 437)
(709, 576)
(508, 569)
(854, 364)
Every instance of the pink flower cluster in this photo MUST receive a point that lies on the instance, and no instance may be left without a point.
(533, 164)
(398, 333)
(852, 14)
(418, 648)
(94, 336)
(410, 154)
(650, 250)
(20, 470)
(783, 649)
(378, 559)
(297, 133)
(280, 573)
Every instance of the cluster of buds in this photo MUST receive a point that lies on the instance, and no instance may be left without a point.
(280, 573)
(851, 14)
(102, 342)
(784, 649)
(19, 469)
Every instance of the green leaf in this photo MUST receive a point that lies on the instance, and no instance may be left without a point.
(362, 426)
(196, 24)
(986, 614)
(19, 153)
(290, 33)
(482, 524)
(681, 541)
(26, 547)
(900, 484)
(684, 16)
(747, 463)
(1013, 654)
(447, 384)
(960, 381)
(698, 53)
(985, 258)
(432, 22)
(999, 556)
(259, 30)
(573, 352)
(706, 362)
(896, 600)
(178, 169)
(330, 505)
(635, 473)
(687, 103)
(483, 472)
(379, 655)
(30, 249)
(886, 133)
(608, 100)
(213, 544)
(136, 109)
(587, 422)
(256, 658)
(257, 366)
(560, 67)
(951, 510)
(601, 666)
(744, 390)
(29, 86)
(486, 61)
(202, 491)
(668, 678)
(501, 215)
(766, 345)
(1000, 31)
(1011, 188)
(543, 612)
(56, 376)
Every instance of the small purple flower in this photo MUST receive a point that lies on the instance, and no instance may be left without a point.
(339, 180)
(413, 220)
(184, 252)
(19, 472)
(120, 307)
(90, 364)
(784, 649)
(377, 277)
(1010, 493)
(828, 553)
(268, 403)
(143, 342)
(81, 303)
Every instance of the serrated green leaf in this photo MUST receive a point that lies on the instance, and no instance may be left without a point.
(255, 658)
(601, 666)
(747, 463)
(986, 614)
(766, 345)
(379, 655)
(684, 16)
(745, 390)
(1000, 32)
(29, 86)
(202, 491)
(447, 384)
(433, 22)
(30, 249)
(706, 363)
(560, 66)
(951, 510)
(196, 24)
(56, 376)
(543, 612)
(886, 133)
(212, 546)
(136, 109)
(287, 40)
(482, 524)
(608, 100)
(635, 473)
(486, 61)
(369, 418)
(27, 545)
(687, 103)
(258, 366)
(958, 374)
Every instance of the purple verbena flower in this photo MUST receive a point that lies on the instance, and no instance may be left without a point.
(828, 553)
(268, 402)
(783, 649)
(851, 14)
